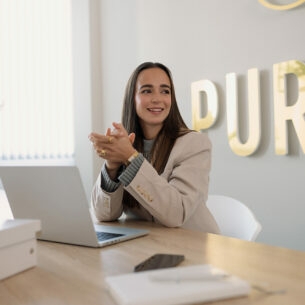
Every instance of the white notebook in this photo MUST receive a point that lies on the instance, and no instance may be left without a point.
(178, 285)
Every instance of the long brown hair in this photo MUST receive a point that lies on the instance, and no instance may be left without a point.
(173, 126)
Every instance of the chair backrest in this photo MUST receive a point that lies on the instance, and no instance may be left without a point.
(233, 217)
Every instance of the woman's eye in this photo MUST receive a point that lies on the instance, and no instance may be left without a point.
(166, 91)
(146, 91)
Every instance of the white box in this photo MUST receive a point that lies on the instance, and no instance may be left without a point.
(17, 245)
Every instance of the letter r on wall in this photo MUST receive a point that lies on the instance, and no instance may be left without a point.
(282, 112)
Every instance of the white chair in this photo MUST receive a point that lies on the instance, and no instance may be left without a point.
(233, 217)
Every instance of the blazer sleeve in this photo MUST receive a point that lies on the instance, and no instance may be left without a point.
(173, 197)
(107, 206)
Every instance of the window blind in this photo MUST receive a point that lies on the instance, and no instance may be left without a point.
(36, 103)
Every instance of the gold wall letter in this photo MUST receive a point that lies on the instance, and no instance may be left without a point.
(282, 112)
(254, 134)
(281, 7)
(198, 89)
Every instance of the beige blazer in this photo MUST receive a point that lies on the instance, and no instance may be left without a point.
(176, 198)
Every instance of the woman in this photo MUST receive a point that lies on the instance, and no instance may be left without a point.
(155, 167)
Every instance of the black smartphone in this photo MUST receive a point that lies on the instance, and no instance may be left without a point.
(158, 261)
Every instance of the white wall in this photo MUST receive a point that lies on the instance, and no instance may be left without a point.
(206, 40)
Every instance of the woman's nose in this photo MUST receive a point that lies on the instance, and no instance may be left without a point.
(155, 98)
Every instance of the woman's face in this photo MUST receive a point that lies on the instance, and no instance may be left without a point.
(152, 100)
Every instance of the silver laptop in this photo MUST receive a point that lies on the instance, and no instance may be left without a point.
(56, 196)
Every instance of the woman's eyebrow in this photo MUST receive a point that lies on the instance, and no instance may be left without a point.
(165, 86)
(146, 85)
(151, 86)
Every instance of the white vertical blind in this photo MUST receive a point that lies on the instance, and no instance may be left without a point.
(36, 109)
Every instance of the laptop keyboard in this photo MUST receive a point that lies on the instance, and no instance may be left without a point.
(105, 235)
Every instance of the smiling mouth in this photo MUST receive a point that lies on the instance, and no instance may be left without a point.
(155, 110)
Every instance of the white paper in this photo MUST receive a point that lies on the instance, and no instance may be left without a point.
(179, 285)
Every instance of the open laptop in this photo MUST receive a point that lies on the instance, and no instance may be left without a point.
(56, 196)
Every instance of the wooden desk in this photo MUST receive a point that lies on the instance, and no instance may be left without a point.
(68, 274)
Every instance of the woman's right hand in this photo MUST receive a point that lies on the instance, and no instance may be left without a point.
(115, 146)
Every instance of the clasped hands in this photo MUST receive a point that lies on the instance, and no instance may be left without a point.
(116, 146)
